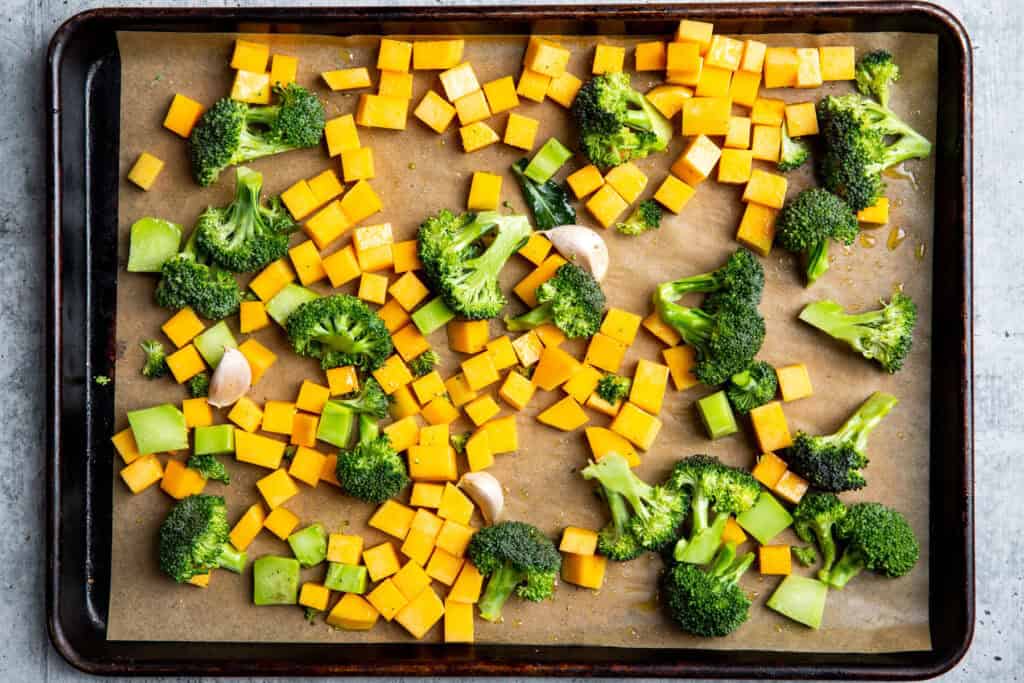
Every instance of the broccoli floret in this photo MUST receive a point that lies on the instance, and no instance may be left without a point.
(210, 467)
(339, 330)
(657, 510)
(289, 452)
(884, 335)
(834, 462)
(814, 519)
(807, 223)
(232, 132)
(186, 280)
(245, 235)
(514, 556)
(708, 603)
(572, 299)
(616, 123)
(740, 278)
(194, 539)
(465, 275)
(712, 486)
(372, 470)
(369, 400)
(753, 387)
(613, 388)
(877, 538)
(645, 217)
(806, 555)
(156, 359)
(861, 139)
(615, 541)
(794, 152)
(875, 72)
(459, 441)
(424, 363)
(102, 380)
(198, 385)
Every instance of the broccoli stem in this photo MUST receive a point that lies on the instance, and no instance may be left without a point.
(499, 590)
(726, 567)
(692, 323)
(858, 427)
(743, 381)
(481, 225)
(829, 317)
(705, 282)
(849, 565)
(701, 547)
(614, 475)
(617, 507)
(369, 429)
(532, 318)
(484, 269)
(828, 551)
(817, 261)
(231, 559)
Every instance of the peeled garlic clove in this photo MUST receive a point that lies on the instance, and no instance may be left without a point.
(231, 380)
(582, 246)
(486, 492)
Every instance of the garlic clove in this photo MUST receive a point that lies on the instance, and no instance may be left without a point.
(231, 380)
(486, 492)
(582, 246)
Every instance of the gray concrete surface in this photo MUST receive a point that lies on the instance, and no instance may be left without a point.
(994, 25)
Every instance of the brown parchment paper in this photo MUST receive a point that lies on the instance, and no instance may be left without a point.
(419, 172)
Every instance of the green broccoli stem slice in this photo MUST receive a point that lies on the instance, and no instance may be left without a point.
(726, 567)
(369, 428)
(705, 282)
(483, 223)
(614, 474)
(693, 324)
(849, 565)
(817, 261)
(827, 544)
(242, 212)
(485, 268)
(856, 430)
(499, 589)
(231, 559)
(532, 318)
(618, 509)
(701, 547)
(743, 381)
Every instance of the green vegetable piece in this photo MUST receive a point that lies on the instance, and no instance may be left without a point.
(159, 429)
(212, 342)
(309, 545)
(284, 303)
(335, 426)
(214, 440)
(766, 519)
(432, 315)
(716, 414)
(153, 241)
(346, 578)
(800, 598)
(275, 580)
(549, 202)
(806, 555)
(546, 162)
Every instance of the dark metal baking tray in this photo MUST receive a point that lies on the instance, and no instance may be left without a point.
(83, 80)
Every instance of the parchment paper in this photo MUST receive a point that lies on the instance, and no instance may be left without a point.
(419, 172)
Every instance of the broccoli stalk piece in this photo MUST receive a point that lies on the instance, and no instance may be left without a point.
(370, 400)
(210, 467)
(459, 441)
(198, 385)
(615, 541)
(372, 470)
(877, 538)
(834, 462)
(156, 359)
(708, 603)
(645, 217)
(572, 299)
(186, 280)
(459, 268)
(617, 123)
(874, 73)
(753, 387)
(712, 485)
(245, 235)
(794, 152)
(861, 139)
(806, 555)
(884, 335)
(657, 510)
(232, 133)
(424, 363)
(740, 278)
(194, 539)
(807, 223)
(814, 520)
(613, 388)
(515, 557)
(339, 330)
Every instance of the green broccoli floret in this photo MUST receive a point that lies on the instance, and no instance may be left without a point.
(708, 603)
(464, 273)
(459, 441)
(645, 217)
(339, 330)
(875, 537)
(232, 132)
(884, 335)
(198, 385)
(753, 387)
(289, 452)
(369, 400)
(814, 520)
(657, 510)
(156, 359)
(424, 363)
(861, 139)
(245, 235)
(794, 152)
(806, 555)
(834, 462)
(102, 380)
(513, 556)
(712, 486)
(371, 470)
(740, 278)
(615, 541)
(616, 123)
(210, 467)
(875, 72)
(186, 280)
(613, 388)
(194, 539)
(572, 299)
(807, 223)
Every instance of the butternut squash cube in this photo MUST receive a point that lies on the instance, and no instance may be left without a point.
(484, 192)
(312, 396)
(185, 363)
(360, 202)
(687, 78)
(455, 506)
(373, 288)
(767, 189)
(306, 260)
(753, 56)
(124, 442)
(435, 435)
(697, 161)
(427, 388)
(425, 494)
(801, 119)
(586, 571)
(299, 200)
(517, 390)
(342, 380)
(683, 57)
(563, 88)
(482, 409)
(444, 567)
(394, 55)
(766, 143)
(197, 412)
(405, 256)
(314, 596)
(408, 291)
(393, 315)
(283, 69)
(713, 82)
(673, 194)
(546, 57)
(838, 62)
(387, 599)
(745, 87)
(472, 107)
(605, 352)
(421, 614)
(403, 433)
(477, 136)
(145, 170)
(381, 561)
(604, 441)
(417, 546)
(325, 186)
(201, 580)
(277, 488)
(458, 81)
(695, 32)
(251, 87)
(521, 131)
(656, 326)
(606, 205)
(182, 327)
(246, 414)
(392, 375)
(304, 428)
(434, 112)
(259, 356)
(638, 427)
(554, 368)
(582, 383)
(502, 435)
(328, 473)
(247, 527)
(468, 586)
(876, 214)
(528, 348)
(724, 53)
(458, 390)
(533, 85)
(327, 225)
(578, 541)
(628, 180)
(281, 522)
(780, 67)
(668, 99)
(735, 166)
(608, 59)
(768, 112)
(411, 580)
(808, 68)
(347, 79)
(738, 136)
(381, 111)
(526, 289)
(342, 266)
(458, 622)
(791, 487)
(252, 316)
(794, 382)
(479, 371)
(565, 415)
(549, 334)
(436, 54)
(769, 469)
(650, 56)
(357, 164)
(681, 360)
(307, 465)
(182, 115)
(775, 560)
(468, 336)
(250, 56)
(341, 134)
(403, 404)
(353, 613)
(649, 383)
(392, 518)
(478, 451)
(501, 94)
(706, 115)
(733, 533)
(770, 427)
(180, 482)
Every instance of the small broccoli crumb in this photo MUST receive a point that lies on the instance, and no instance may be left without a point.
(613, 388)
(101, 380)
(806, 555)
(459, 441)
(424, 363)
(199, 385)
(156, 359)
